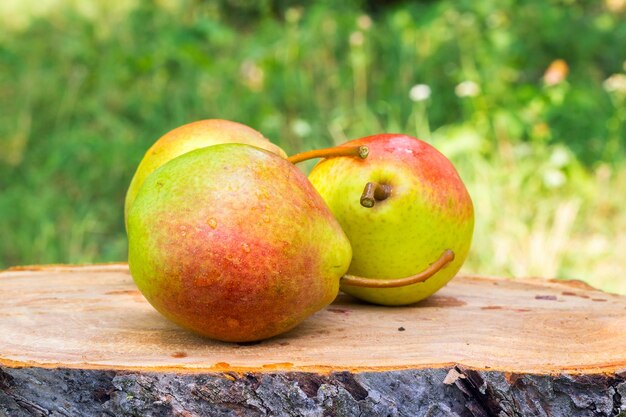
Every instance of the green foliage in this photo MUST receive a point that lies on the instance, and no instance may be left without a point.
(83, 94)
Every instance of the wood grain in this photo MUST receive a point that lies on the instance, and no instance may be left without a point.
(93, 317)
(81, 341)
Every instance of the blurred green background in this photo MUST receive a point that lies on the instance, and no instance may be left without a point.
(527, 98)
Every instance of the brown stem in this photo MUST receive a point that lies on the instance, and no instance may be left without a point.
(360, 151)
(446, 257)
(374, 192)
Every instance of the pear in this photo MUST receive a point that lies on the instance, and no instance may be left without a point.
(404, 209)
(192, 136)
(234, 243)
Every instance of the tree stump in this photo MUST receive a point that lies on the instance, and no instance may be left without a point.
(82, 341)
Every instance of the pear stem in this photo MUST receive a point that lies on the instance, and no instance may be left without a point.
(374, 192)
(360, 151)
(446, 257)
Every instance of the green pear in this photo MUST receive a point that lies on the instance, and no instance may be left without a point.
(403, 208)
(234, 243)
(189, 137)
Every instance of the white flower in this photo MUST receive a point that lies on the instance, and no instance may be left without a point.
(467, 89)
(364, 22)
(293, 14)
(559, 157)
(357, 38)
(419, 92)
(553, 178)
(616, 83)
(252, 75)
(301, 127)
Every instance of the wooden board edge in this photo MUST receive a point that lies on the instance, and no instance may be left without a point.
(618, 368)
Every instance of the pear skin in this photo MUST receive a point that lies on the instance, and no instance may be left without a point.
(427, 211)
(234, 243)
(192, 136)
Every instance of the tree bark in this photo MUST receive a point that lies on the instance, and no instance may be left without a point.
(81, 341)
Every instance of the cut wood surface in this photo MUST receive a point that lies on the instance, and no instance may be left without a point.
(481, 336)
(94, 317)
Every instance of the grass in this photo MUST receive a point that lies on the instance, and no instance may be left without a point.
(86, 88)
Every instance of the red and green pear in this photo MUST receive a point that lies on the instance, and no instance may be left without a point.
(234, 243)
(403, 208)
(193, 136)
